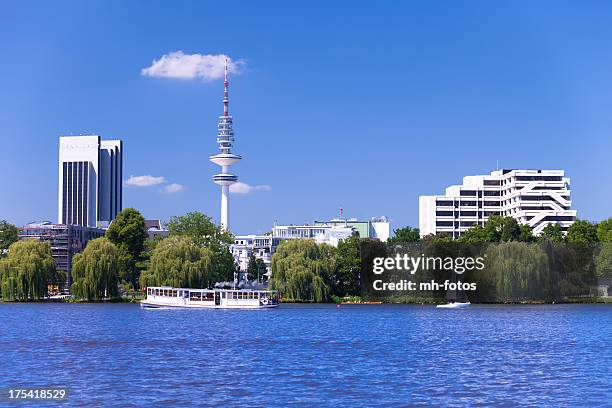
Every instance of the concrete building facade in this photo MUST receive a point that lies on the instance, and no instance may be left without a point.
(90, 180)
(533, 197)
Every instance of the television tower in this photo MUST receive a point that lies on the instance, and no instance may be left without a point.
(225, 138)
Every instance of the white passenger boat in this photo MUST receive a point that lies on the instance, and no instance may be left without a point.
(169, 297)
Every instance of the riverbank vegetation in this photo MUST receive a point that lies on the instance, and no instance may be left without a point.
(194, 254)
(95, 271)
(26, 271)
(520, 267)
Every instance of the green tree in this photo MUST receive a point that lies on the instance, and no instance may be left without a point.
(256, 269)
(24, 273)
(180, 262)
(604, 230)
(476, 234)
(583, 232)
(8, 235)
(553, 232)
(404, 235)
(603, 262)
(526, 234)
(200, 228)
(205, 233)
(346, 280)
(510, 230)
(518, 271)
(95, 271)
(128, 233)
(302, 270)
(498, 229)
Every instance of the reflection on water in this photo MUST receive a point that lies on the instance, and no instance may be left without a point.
(383, 355)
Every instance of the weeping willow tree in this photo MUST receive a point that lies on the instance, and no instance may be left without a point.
(95, 271)
(302, 270)
(178, 261)
(519, 271)
(24, 273)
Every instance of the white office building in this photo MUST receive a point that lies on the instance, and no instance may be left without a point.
(533, 197)
(90, 174)
(322, 232)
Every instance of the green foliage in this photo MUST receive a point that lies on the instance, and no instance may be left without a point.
(526, 234)
(476, 234)
(498, 229)
(204, 233)
(519, 271)
(604, 230)
(582, 232)
(8, 235)
(346, 279)
(404, 235)
(95, 271)
(128, 233)
(553, 233)
(200, 228)
(180, 262)
(24, 273)
(437, 238)
(256, 269)
(603, 263)
(302, 270)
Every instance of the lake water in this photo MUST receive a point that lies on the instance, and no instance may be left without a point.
(315, 355)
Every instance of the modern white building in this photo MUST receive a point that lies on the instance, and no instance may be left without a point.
(225, 159)
(533, 197)
(90, 174)
(322, 232)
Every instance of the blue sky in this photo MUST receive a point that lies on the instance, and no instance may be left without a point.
(359, 105)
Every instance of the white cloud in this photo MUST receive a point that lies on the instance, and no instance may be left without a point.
(244, 188)
(145, 181)
(179, 65)
(173, 188)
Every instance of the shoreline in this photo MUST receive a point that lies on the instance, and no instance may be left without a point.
(428, 301)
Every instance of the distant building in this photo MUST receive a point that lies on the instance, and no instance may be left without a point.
(261, 246)
(533, 197)
(155, 229)
(90, 180)
(376, 227)
(322, 233)
(65, 241)
(328, 232)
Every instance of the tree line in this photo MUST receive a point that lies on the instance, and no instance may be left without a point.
(195, 253)
(521, 266)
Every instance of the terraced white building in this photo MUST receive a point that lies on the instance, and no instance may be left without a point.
(532, 197)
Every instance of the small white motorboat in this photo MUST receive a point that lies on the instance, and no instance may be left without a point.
(454, 305)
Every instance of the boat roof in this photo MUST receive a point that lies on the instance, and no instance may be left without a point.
(212, 290)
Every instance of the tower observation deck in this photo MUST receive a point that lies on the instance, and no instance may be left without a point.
(225, 159)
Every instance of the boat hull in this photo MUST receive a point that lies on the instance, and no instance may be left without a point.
(456, 305)
(153, 305)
